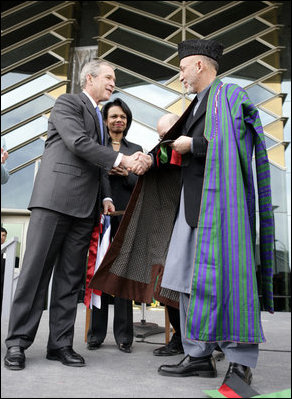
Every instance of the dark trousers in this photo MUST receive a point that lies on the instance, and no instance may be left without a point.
(54, 241)
(122, 325)
(174, 320)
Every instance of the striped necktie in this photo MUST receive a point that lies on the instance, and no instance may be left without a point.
(98, 113)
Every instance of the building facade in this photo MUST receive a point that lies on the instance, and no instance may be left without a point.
(46, 43)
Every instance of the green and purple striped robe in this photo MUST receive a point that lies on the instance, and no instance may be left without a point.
(224, 303)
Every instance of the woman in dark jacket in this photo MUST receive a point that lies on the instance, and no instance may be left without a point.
(118, 119)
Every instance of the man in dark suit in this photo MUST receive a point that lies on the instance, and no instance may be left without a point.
(69, 187)
(174, 346)
(118, 119)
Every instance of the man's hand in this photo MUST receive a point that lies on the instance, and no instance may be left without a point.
(4, 155)
(119, 170)
(108, 206)
(137, 163)
(145, 160)
(182, 145)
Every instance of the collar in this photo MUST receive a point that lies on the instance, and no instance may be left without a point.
(90, 98)
(202, 94)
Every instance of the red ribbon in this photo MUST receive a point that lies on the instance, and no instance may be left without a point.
(91, 265)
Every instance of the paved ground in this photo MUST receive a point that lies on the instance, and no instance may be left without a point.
(112, 374)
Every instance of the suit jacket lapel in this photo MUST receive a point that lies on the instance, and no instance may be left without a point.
(92, 111)
(200, 111)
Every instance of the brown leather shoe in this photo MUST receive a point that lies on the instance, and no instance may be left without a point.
(15, 358)
(191, 366)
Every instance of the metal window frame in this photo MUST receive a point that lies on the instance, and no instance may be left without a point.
(36, 17)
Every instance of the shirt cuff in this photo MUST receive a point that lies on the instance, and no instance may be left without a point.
(118, 160)
(107, 199)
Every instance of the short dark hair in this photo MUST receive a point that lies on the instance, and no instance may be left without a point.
(3, 230)
(118, 102)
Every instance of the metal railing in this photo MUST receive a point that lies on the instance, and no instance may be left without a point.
(9, 249)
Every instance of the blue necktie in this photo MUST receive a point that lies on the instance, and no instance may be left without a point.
(98, 113)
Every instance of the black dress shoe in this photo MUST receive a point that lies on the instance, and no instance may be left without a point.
(174, 347)
(125, 348)
(15, 358)
(243, 372)
(191, 366)
(67, 356)
(93, 345)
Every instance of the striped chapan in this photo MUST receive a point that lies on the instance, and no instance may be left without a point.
(224, 303)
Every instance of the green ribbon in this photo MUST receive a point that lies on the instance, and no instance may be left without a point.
(163, 154)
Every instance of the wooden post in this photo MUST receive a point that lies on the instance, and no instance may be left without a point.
(87, 321)
(167, 325)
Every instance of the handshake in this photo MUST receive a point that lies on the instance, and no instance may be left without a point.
(137, 163)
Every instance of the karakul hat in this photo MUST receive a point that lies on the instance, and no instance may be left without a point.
(209, 48)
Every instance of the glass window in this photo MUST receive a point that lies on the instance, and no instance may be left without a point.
(142, 44)
(125, 80)
(141, 111)
(31, 11)
(247, 75)
(35, 107)
(236, 80)
(266, 118)
(240, 32)
(205, 7)
(140, 65)
(18, 189)
(31, 29)
(242, 54)
(25, 154)
(27, 90)
(12, 78)
(26, 132)
(159, 8)
(269, 142)
(281, 242)
(278, 188)
(258, 94)
(16, 75)
(153, 94)
(7, 5)
(29, 49)
(227, 17)
(140, 88)
(142, 135)
(286, 88)
(278, 182)
(142, 23)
